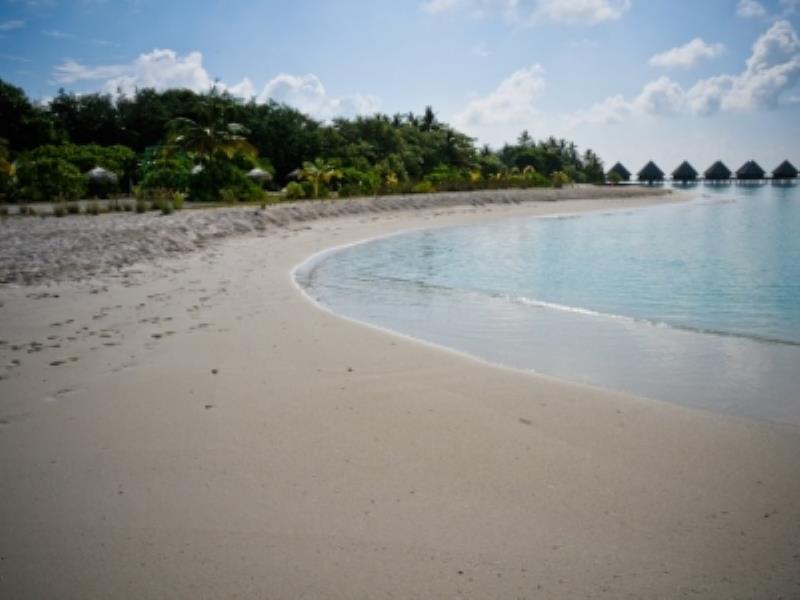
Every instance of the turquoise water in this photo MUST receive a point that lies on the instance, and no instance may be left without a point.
(696, 303)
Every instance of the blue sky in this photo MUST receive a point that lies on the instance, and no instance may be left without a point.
(632, 79)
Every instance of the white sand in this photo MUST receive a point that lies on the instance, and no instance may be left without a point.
(326, 459)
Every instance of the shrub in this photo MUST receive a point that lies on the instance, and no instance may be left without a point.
(559, 179)
(614, 178)
(60, 209)
(423, 187)
(127, 206)
(207, 185)
(48, 178)
(178, 199)
(73, 208)
(93, 208)
(166, 207)
(142, 206)
(228, 195)
(295, 191)
(3, 211)
(167, 173)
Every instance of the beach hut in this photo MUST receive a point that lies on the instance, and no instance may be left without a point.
(620, 170)
(718, 172)
(685, 173)
(101, 182)
(750, 171)
(650, 173)
(259, 176)
(785, 170)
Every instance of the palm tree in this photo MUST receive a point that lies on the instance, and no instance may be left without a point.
(210, 137)
(317, 173)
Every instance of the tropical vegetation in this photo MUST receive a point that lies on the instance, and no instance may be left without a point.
(203, 145)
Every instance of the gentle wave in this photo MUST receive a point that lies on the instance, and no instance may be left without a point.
(593, 313)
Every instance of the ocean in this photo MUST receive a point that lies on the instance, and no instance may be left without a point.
(696, 303)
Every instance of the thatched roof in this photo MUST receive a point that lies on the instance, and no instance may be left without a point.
(718, 172)
(750, 170)
(620, 170)
(785, 170)
(685, 172)
(259, 175)
(651, 172)
(101, 175)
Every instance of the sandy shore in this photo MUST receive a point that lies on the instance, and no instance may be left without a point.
(196, 428)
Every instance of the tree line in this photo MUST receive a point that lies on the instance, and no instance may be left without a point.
(155, 140)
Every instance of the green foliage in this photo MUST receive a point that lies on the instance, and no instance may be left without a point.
(614, 178)
(93, 208)
(60, 209)
(373, 154)
(318, 174)
(49, 178)
(166, 172)
(142, 206)
(3, 211)
(423, 187)
(295, 191)
(207, 185)
(559, 179)
(73, 208)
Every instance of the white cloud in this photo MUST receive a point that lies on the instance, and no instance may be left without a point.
(164, 69)
(750, 9)
(688, 55)
(512, 101)
(573, 12)
(581, 11)
(772, 69)
(11, 25)
(308, 94)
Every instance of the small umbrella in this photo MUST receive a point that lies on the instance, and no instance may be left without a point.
(101, 176)
(259, 175)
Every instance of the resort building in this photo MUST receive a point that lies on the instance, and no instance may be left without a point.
(785, 170)
(650, 173)
(750, 171)
(718, 172)
(620, 170)
(685, 173)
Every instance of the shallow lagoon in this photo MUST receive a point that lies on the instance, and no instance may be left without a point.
(696, 303)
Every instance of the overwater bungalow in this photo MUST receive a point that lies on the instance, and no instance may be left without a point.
(718, 172)
(685, 173)
(620, 170)
(750, 171)
(650, 173)
(784, 171)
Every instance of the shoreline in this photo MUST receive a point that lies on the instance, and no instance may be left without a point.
(218, 434)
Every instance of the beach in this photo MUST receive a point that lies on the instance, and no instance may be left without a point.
(178, 420)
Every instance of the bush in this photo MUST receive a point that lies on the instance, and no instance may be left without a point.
(73, 208)
(559, 179)
(60, 209)
(295, 191)
(93, 208)
(167, 173)
(178, 200)
(127, 206)
(48, 178)
(3, 211)
(423, 187)
(614, 178)
(207, 185)
(166, 207)
(142, 206)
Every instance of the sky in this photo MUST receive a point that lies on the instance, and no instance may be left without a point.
(634, 80)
